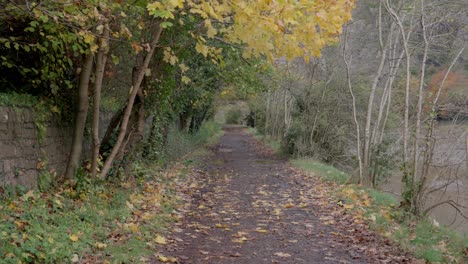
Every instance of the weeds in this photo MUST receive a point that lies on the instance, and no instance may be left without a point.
(95, 222)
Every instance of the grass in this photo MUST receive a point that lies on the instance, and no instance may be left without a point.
(272, 143)
(426, 240)
(420, 236)
(180, 143)
(326, 172)
(101, 223)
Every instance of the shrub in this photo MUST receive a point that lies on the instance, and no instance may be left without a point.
(233, 116)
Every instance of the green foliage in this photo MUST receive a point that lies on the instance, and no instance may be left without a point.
(18, 100)
(38, 54)
(233, 116)
(45, 178)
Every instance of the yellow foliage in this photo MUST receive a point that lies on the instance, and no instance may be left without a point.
(275, 29)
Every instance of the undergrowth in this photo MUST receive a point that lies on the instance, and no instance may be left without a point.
(97, 222)
(423, 237)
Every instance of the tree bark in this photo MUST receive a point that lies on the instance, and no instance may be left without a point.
(100, 67)
(81, 114)
(419, 113)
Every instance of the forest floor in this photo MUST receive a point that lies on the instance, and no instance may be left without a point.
(251, 206)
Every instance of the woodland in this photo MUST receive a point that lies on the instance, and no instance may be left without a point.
(376, 89)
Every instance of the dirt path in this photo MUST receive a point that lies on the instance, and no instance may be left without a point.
(254, 208)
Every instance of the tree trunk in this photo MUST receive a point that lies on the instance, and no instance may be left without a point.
(100, 67)
(419, 114)
(350, 87)
(370, 105)
(131, 100)
(81, 114)
(397, 20)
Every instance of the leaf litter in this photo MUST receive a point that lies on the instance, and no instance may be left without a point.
(253, 212)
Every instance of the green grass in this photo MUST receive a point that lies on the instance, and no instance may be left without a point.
(180, 143)
(425, 240)
(327, 172)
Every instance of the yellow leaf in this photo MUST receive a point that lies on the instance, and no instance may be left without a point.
(289, 205)
(183, 67)
(100, 245)
(240, 240)
(185, 79)
(133, 227)
(75, 258)
(163, 258)
(260, 230)
(88, 38)
(160, 240)
(200, 48)
(282, 254)
(73, 237)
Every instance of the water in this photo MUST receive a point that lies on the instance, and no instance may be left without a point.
(447, 177)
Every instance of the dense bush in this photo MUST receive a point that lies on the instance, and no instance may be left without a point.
(233, 116)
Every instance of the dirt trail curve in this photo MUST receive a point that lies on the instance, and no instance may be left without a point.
(254, 208)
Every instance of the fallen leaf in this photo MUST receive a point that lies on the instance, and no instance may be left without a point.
(160, 240)
(75, 258)
(163, 258)
(73, 237)
(282, 254)
(100, 245)
(240, 240)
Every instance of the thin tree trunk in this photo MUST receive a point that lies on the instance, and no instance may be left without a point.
(370, 104)
(81, 114)
(131, 100)
(397, 20)
(466, 151)
(358, 134)
(267, 113)
(100, 67)
(419, 111)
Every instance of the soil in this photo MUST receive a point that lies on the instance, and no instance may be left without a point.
(253, 207)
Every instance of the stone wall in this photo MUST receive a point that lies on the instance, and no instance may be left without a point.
(23, 148)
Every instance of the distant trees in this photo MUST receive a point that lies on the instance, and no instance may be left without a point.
(389, 116)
